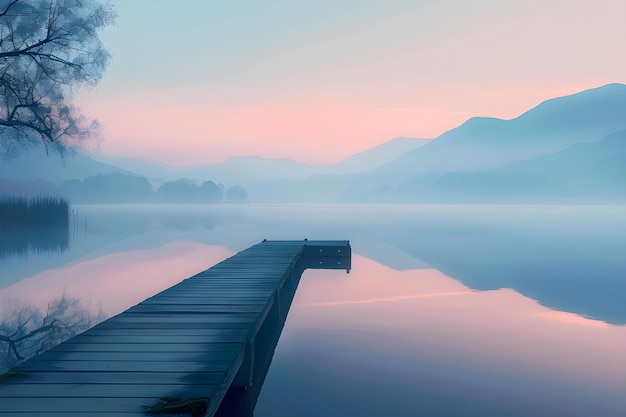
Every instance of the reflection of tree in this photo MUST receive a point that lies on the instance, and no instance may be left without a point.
(26, 331)
(185, 223)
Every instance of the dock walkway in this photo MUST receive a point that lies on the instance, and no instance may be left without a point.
(180, 352)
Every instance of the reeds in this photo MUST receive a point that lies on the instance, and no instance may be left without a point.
(39, 224)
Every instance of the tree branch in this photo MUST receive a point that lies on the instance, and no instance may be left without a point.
(35, 332)
(14, 342)
(20, 124)
(24, 51)
(6, 10)
(47, 47)
(21, 106)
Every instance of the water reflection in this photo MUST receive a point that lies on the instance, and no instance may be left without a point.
(568, 258)
(384, 342)
(32, 314)
(39, 225)
(451, 310)
(26, 330)
(119, 280)
(100, 230)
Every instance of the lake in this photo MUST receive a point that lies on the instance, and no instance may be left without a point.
(447, 311)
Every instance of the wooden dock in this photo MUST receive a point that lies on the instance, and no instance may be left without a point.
(199, 348)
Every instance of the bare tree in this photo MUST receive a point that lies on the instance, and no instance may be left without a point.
(47, 49)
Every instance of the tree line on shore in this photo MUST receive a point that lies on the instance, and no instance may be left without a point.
(122, 188)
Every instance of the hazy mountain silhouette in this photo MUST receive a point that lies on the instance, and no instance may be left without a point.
(584, 171)
(151, 169)
(252, 169)
(487, 143)
(477, 149)
(484, 157)
(376, 156)
(247, 169)
(237, 169)
(35, 164)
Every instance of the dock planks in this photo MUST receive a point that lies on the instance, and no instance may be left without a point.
(188, 347)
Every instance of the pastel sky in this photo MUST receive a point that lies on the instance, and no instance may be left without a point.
(198, 81)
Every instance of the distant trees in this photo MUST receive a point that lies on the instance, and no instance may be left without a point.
(236, 193)
(118, 187)
(47, 48)
(183, 190)
(209, 191)
(112, 188)
(122, 188)
(186, 191)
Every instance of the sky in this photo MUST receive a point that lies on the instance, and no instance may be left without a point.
(198, 81)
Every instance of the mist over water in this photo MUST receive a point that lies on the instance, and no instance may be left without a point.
(448, 310)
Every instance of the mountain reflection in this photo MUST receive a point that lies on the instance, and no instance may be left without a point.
(419, 342)
(569, 259)
(448, 310)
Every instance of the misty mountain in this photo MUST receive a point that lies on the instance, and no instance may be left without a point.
(462, 161)
(251, 169)
(562, 148)
(35, 171)
(153, 170)
(235, 170)
(35, 164)
(584, 171)
(489, 143)
(376, 156)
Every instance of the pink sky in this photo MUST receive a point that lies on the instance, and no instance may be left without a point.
(316, 81)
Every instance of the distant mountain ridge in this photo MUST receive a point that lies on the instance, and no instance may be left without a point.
(569, 147)
(376, 156)
(34, 164)
(487, 143)
(584, 170)
(37, 164)
(480, 146)
(251, 169)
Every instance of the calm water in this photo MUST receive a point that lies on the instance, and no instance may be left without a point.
(448, 310)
